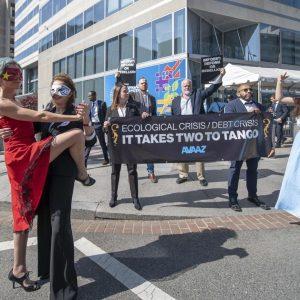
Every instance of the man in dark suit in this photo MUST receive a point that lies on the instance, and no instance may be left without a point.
(191, 102)
(280, 113)
(242, 104)
(97, 115)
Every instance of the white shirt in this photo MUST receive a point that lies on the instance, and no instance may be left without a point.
(186, 106)
(122, 112)
(94, 112)
(249, 105)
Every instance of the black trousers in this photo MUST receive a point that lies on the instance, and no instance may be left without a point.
(251, 177)
(55, 239)
(132, 178)
(279, 133)
(101, 138)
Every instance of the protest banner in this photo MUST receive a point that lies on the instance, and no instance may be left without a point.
(210, 68)
(190, 138)
(127, 71)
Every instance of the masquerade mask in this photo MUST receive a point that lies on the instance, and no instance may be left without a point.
(60, 90)
(12, 74)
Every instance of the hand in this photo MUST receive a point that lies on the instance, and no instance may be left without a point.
(118, 74)
(283, 77)
(106, 124)
(257, 110)
(222, 72)
(5, 133)
(81, 111)
(86, 111)
(145, 115)
(279, 120)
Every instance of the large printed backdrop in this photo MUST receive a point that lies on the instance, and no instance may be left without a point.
(212, 137)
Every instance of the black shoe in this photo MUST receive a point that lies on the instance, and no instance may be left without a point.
(181, 180)
(106, 162)
(88, 181)
(234, 204)
(203, 182)
(28, 288)
(258, 203)
(112, 202)
(136, 203)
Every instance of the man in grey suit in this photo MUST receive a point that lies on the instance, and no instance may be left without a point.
(242, 104)
(191, 102)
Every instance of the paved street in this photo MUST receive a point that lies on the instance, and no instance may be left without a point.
(185, 244)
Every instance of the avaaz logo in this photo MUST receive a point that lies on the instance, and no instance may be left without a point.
(193, 149)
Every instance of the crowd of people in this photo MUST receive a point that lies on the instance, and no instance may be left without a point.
(42, 173)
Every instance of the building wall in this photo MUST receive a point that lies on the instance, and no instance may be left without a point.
(7, 27)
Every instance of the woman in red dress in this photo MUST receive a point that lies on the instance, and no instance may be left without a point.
(27, 161)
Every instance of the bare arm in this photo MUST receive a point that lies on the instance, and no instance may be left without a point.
(279, 93)
(11, 110)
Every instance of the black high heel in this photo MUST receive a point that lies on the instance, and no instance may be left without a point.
(30, 288)
(136, 203)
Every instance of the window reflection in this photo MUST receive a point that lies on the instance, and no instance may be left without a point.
(126, 45)
(99, 58)
(179, 32)
(143, 46)
(112, 53)
(89, 61)
(269, 43)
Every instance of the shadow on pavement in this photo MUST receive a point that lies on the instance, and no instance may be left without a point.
(166, 258)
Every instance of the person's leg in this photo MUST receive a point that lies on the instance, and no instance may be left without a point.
(87, 152)
(201, 173)
(44, 233)
(115, 176)
(133, 183)
(183, 169)
(251, 176)
(279, 134)
(233, 178)
(63, 279)
(101, 138)
(74, 141)
(151, 175)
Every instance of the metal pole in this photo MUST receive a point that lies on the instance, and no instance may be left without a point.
(259, 98)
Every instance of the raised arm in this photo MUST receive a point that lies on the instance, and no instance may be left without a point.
(11, 110)
(279, 93)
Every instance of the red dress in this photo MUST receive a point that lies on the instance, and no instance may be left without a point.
(27, 163)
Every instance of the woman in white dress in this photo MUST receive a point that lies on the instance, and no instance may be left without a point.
(289, 196)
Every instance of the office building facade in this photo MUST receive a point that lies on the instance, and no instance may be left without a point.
(87, 39)
(7, 27)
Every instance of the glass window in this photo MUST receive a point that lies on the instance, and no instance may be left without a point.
(56, 68)
(59, 35)
(179, 32)
(99, 88)
(71, 66)
(89, 17)
(288, 47)
(56, 36)
(269, 43)
(242, 43)
(88, 85)
(71, 28)
(297, 48)
(162, 37)
(99, 11)
(111, 6)
(112, 54)
(194, 32)
(78, 86)
(46, 12)
(62, 63)
(89, 61)
(78, 64)
(78, 23)
(126, 45)
(58, 5)
(99, 58)
(143, 43)
(125, 3)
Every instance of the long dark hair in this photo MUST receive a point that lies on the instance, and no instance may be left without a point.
(67, 80)
(116, 95)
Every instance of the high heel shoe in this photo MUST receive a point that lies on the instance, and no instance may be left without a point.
(113, 202)
(136, 203)
(30, 288)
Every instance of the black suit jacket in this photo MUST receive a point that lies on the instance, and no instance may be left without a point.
(102, 109)
(237, 106)
(136, 96)
(281, 111)
(197, 97)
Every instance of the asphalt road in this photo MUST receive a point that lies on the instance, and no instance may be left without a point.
(213, 264)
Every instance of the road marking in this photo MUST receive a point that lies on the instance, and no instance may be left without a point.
(9, 245)
(137, 284)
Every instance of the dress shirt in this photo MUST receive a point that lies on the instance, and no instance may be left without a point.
(94, 112)
(186, 106)
(249, 105)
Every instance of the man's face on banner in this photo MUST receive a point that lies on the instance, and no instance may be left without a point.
(245, 92)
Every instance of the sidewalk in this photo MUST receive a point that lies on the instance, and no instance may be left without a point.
(166, 199)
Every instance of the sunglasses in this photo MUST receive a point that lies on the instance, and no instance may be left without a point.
(60, 90)
(12, 74)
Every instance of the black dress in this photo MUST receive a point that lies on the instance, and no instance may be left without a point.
(55, 239)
